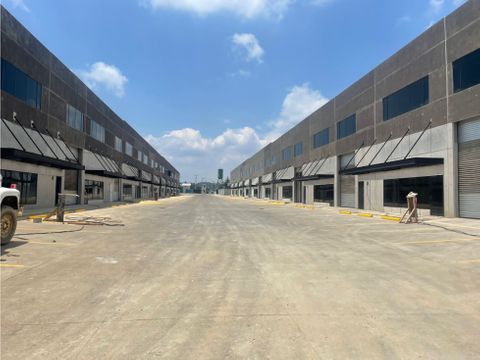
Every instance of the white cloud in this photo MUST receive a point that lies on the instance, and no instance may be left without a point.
(249, 45)
(194, 154)
(403, 20)
(300, 102)
(104, 75)
(20, 4)
(436, 5)
(241, 73)
(243, 8)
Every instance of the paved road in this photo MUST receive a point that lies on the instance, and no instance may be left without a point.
(207, 277)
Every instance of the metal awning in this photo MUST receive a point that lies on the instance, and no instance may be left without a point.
(254, 181)
(267, 178)
(29, 145)
(285, 174)
(146, 176)
(101, 165)
(311, 168)
(156, 179)
(248, 182)
(314, 170)
(392, 165)
(130, 171)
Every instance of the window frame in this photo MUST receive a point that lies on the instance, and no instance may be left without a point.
(26, 183)
(287, 153)
(14, 79)
(78, 121)
(319, 136)
(298, 149)
(459, 81)
(118, 141)
(401, 94)
(344, 126)
(94, 185)
(97, 131)
(128, 149)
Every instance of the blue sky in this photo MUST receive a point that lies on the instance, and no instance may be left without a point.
(209, 82)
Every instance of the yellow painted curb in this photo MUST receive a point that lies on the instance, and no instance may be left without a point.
(41, 216)
(12, 265)
(365, 215)
(391, 218)
(345, 212)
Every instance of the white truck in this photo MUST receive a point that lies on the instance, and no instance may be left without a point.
(10, 200)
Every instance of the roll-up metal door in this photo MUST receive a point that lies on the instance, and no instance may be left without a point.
(469, 169)
(347, 190)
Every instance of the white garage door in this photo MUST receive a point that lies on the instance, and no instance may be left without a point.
(469, 168)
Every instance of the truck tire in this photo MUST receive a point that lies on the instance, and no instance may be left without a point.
(9, 224)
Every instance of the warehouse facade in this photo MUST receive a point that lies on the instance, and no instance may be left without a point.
(57, 136)
(411, 124)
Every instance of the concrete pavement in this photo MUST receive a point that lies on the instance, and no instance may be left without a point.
(207, 277)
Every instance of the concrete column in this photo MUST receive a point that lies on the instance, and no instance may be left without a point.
(120, 189)
(294, 195)
(308, 194)
(356, 192)
(450, 173)
(336, 182)
(81, 179)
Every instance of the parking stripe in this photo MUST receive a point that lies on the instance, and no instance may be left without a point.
(471, 261)
(432, 241)
(12, 265)
(49, 243)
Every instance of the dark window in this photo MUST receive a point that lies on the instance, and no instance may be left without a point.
(118, 144)
(428, 188)
(71, 180)
(128, 149)
(407, 99)
(74, 118)
(321, 138)
(286, 192)
(287, 153)
(127, 190)
(23, 87)
(347, 126)
(24, 182)
(323, 193)
(466, 71)
(298, 149)
(268, 192)
(93, 190)
(97, 131)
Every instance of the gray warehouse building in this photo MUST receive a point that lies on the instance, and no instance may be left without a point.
(57, 136)
(410, 124)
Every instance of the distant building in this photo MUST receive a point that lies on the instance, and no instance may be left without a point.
(410, 124)
(57, 136)
(186, 187)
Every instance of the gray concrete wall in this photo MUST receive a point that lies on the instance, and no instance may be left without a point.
(60, 87)
(46, 181)
(432, 54)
